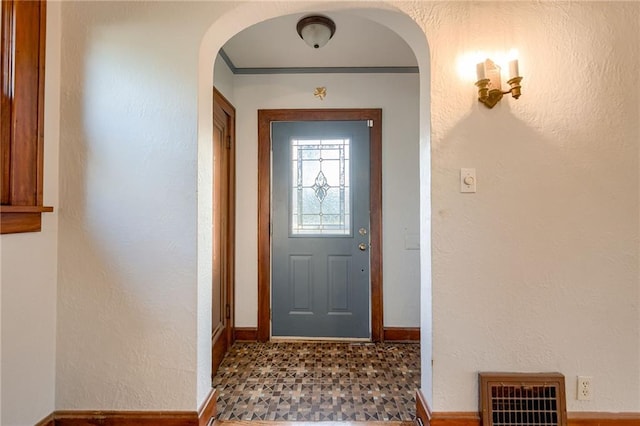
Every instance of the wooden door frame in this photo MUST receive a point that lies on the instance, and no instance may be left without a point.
(230, 111)
(265, 117)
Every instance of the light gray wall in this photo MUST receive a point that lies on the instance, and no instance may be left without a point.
(223, 78)
(397, 95)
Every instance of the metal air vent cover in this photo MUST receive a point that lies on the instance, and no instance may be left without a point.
(522, 399)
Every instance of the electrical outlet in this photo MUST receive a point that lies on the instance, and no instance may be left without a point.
(585, 392)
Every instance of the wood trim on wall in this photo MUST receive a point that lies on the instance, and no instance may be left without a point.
(265, 117)
(136, 418)
(264, 223)
(47, 421)
(22, 52)
(230, 110)
(580, 418)
(246, 333)
(223, 227)
(423, 412)
(209, 408)
(126, 418)
(402, 334)
(375, 259)
(15, 222)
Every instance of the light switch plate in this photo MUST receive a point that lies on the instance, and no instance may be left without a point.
(467, 180)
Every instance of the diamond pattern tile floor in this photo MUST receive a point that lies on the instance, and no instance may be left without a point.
(318, 381)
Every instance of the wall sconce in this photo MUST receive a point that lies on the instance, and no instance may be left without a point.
(489, 82)
(316, 30)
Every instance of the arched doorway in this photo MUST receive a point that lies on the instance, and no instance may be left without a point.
(244, 16)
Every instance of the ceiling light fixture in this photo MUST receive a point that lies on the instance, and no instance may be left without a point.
(316, 30)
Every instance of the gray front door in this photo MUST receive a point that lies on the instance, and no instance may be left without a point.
(320, 242)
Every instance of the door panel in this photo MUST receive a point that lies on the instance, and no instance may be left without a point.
(339, 284)
(300, 279)
(222, 229)
(320, 195)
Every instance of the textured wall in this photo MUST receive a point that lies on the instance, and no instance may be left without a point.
(551, 234)
(127, 296)
(539, 269)
(28, 269)
(397, 95)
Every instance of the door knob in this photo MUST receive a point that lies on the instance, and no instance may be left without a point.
(362, 246)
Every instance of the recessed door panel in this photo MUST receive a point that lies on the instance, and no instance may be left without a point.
(300, 285)
(339, 285)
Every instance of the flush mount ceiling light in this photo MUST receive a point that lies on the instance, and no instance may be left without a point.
(316, 30)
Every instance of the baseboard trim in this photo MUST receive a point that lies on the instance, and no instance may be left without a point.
(585, 418)
(455, 418)
(576, 418)
(390, 334)
(423, 412)
(401, 334)
(47, 421)
(126, 418)
(246, 333)
(209, 408)
(422, 409)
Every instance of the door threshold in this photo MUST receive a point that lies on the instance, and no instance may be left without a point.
(320, 339)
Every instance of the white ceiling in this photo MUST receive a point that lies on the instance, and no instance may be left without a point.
(357, 42)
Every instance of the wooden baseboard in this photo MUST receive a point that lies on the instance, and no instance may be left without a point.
(209, 408)
(603, 419)
(401, 334)
(246, 333)
(391, 334)
(47, 421)
(455, 418)
(137, 418)
(422, 409)
(126, 418)
(423, 412)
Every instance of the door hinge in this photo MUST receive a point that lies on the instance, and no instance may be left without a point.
(271, 228)
(228, 141)
(370, 123)
(228, 311)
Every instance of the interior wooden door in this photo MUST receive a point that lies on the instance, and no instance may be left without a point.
(223, 228)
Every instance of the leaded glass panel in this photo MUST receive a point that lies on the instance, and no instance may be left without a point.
(320, 195)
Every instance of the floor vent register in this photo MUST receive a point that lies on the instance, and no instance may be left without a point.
(522, 399)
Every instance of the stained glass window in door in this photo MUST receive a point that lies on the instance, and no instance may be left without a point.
(320, 190)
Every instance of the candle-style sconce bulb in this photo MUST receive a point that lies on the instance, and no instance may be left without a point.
(489, 82)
